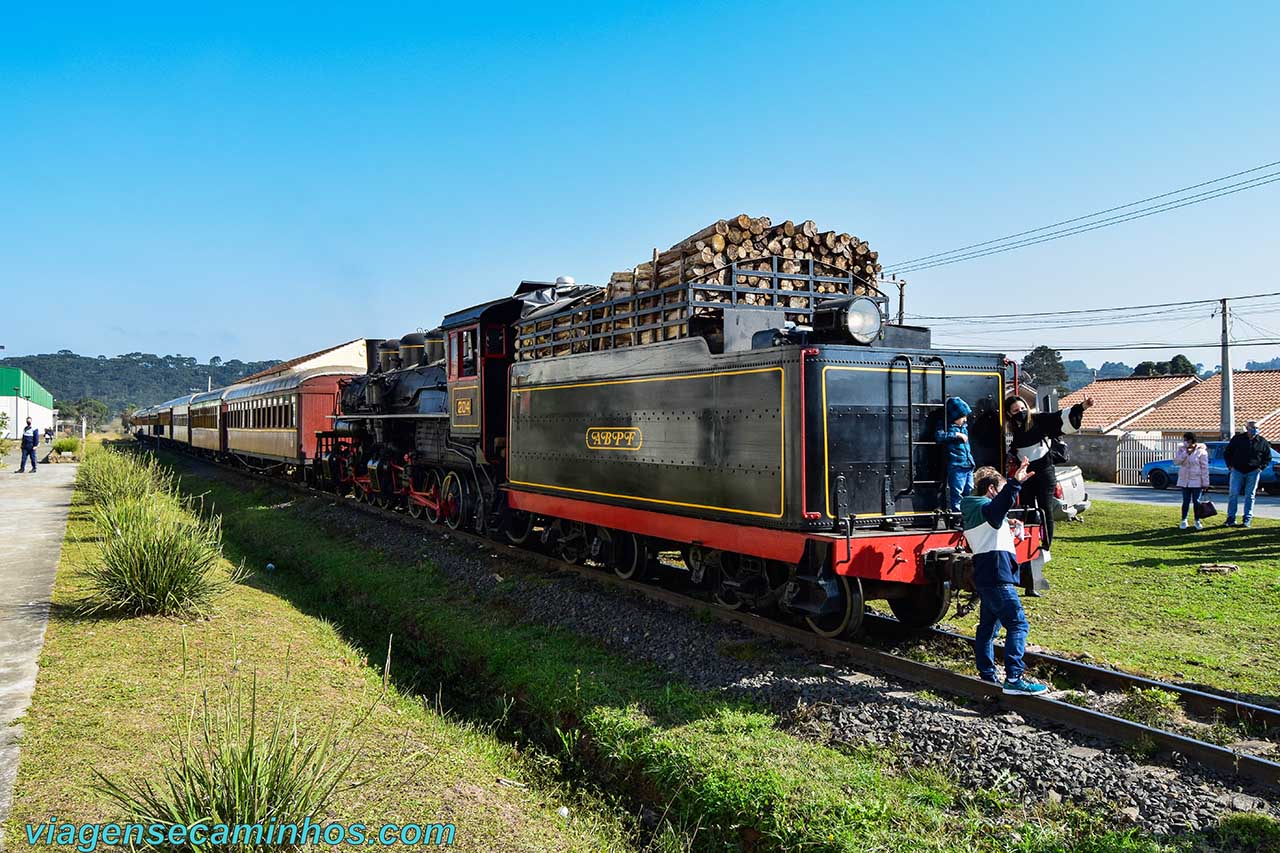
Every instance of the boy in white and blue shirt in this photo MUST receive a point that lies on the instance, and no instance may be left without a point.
(996, 576)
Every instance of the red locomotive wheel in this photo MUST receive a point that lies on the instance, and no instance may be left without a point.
(454, 497)
(847, 620)
(431, 484)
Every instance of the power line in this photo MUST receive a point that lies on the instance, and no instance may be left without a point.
(1075, 311)
(1091, 215)
(1106, 223)
(965, 347)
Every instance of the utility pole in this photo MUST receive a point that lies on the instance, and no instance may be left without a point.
(1228, 401)
(902, 299)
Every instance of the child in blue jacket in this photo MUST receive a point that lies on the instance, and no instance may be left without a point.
(954, 441)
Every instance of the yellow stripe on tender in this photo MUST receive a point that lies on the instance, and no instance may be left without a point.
(782, 449)
(826, 440)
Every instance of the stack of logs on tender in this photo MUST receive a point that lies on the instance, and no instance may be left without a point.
(753, 243)
(702, 257)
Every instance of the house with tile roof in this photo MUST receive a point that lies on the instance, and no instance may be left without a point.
(1117, 402)
(1256, 394)
(1140, 419)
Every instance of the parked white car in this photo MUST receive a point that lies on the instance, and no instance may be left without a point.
(1070, 497)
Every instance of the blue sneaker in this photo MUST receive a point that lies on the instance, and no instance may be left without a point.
(990, 679)
(1023, 687)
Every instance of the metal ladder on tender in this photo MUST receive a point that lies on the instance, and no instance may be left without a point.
(912, 407)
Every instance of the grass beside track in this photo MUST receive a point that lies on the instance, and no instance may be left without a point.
(720, 770)
(1126, 590)
(110, 691)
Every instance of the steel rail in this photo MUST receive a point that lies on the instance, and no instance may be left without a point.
(1202, 702)
(1229, 762)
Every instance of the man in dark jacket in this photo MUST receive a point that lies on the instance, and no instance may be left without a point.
(1247, 454)
(1031, 439)
(954, 440)
(996, 575)
(30, 441)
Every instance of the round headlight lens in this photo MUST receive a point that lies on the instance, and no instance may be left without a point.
(863, 320)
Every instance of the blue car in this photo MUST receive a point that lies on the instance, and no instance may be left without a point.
(1163, 474)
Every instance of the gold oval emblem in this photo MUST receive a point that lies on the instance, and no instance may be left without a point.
(614, 438)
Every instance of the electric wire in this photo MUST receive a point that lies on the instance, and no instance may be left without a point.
(1197, 198)
(1090, 215)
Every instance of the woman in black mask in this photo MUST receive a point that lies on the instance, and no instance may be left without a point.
(1032, 434)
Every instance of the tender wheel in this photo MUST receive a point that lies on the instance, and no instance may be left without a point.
(630, 557)
(519, 526)
(847, 619)
(1158, 479)
(923, 607)
(454, 496)
(415, 509)
(361, 495)
(431, 484)
(571, 549)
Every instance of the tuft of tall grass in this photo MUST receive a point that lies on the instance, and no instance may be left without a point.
(66, 445)
(109, 475)
(233, 765)
(155, 559)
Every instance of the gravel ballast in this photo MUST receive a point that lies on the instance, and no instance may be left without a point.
(981, 747)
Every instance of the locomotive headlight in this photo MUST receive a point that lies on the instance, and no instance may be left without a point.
(862, 319)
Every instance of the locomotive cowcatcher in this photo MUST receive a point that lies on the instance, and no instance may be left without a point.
(770, 433)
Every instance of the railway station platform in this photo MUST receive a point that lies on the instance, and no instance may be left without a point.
(33, 520)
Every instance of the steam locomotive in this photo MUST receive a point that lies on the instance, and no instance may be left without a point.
(773, 440)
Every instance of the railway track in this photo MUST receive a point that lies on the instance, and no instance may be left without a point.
(1232, 763)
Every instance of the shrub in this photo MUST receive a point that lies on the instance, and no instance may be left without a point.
(66, 445)
(155, 559)
(110, 475)
(228, 766)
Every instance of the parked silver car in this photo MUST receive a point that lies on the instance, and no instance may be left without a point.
(1070, 497)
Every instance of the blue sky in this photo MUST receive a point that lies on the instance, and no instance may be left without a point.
(260, 180)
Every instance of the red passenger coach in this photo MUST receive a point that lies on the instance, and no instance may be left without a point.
(275, 420)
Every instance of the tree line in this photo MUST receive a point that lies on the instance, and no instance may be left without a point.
(1044, 366)
(102, 388)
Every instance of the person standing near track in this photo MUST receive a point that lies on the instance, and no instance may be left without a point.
(1031, 435)
(996, 575)
(1246, 455)
(1192, 460)
(30, 443)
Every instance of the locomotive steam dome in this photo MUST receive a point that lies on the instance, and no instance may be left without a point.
(388, 354)
(413, 349)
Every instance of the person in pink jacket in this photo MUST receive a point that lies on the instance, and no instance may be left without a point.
(1192, 460)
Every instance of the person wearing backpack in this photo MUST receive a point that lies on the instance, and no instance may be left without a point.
(1192, 460)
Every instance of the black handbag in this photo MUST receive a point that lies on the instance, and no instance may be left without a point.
(1059, 453)
(1205, 509)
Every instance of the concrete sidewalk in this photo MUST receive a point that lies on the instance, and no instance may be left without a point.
(1264, 506)
(33, 520)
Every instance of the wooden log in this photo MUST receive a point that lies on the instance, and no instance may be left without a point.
(719, 227)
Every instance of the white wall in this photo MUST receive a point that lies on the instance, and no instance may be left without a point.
(40, 416)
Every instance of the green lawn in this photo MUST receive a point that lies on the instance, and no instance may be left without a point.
(110, 691)
(1125, 589)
